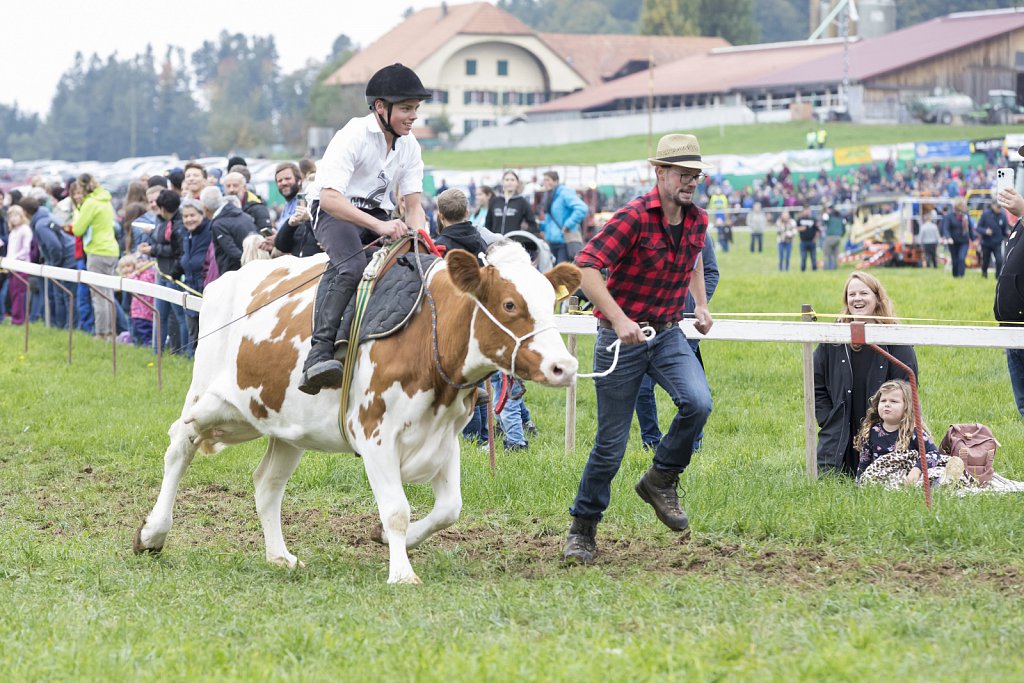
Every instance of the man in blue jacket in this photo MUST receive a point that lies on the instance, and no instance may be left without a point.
(564, 212)
(57, 249)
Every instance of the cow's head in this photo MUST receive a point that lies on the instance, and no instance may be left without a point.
(515, 328)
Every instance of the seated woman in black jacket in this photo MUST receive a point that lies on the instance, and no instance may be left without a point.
(847, 376)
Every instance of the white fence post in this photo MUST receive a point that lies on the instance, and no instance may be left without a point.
(810, 423)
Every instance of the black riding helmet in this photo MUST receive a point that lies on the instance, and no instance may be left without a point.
(394, 84)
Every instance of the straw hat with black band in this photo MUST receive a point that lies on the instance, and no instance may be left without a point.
(679, 149)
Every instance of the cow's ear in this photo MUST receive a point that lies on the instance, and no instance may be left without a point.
(464, 271)
(565, 278)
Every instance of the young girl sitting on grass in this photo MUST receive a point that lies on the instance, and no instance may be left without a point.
(887, 442)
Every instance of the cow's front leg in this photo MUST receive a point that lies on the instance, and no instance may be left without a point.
(270, 478)
(386, 481)
(447, 501)
(151, 535)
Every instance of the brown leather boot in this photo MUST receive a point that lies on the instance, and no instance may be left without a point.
(581, 543)
(658, 489)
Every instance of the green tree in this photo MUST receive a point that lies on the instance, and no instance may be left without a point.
(782, 20)
(576, 16)
(67, 126)
(730, 19)
(670, 18)
(17, 129)
(241, 80)
(917, 11)
(332, 105)
(179, 122)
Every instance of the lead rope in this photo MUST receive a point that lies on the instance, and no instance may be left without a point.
(616, 345)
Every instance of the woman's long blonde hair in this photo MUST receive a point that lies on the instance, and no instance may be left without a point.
(883, 309)
(906, 431)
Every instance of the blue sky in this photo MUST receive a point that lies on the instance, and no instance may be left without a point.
(33, 58)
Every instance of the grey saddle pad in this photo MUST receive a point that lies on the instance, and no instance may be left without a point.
(394, 299)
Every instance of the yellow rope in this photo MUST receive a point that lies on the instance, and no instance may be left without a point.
(849, 316)
(181, 283)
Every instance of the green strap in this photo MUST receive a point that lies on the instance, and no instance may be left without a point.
(363, 292)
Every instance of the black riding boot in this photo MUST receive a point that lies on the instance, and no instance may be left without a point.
(322, 369)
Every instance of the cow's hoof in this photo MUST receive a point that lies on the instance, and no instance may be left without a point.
(288, 562)
(138, 548)
(377, 534)
(411, 580)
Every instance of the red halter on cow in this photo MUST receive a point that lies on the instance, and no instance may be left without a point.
(403, 414)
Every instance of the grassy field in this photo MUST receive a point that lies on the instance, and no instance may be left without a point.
(784, 579)
(749, 139)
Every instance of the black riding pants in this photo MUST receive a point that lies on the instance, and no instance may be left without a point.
(344, 241)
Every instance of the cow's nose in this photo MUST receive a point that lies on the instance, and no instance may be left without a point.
(562, 372)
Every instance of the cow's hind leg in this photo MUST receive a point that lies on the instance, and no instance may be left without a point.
(270, 478)
(151, 535)
(447, 503)
(386, 481)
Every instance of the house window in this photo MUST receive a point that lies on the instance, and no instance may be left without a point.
(471, 67)
(503, 67)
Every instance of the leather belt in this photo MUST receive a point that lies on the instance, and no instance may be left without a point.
(658, 326)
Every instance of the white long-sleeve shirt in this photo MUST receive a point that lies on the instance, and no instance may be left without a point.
(359, 164)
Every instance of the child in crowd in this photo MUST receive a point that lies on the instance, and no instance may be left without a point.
(136, 267)
(888, 445)
(19, 246)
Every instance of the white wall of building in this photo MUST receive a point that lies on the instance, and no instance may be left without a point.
(534, 71)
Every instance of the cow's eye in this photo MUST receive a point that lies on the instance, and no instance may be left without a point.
(510, 306)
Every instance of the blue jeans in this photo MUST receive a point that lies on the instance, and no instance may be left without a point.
(758, 239)
(647, 413)
(958, 256)
(1015, 364)
(647, 408)
(142, 331)
(38, 309)
(163, 311)
(808, 249)
(670, 362)
(83, 302)
(559, 252)
(511, 416)
(785, 249)
(58, 306)
(476, 429)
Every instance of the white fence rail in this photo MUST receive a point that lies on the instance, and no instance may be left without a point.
(114, 282)
(806, 333)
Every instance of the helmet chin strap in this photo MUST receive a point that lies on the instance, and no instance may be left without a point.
(386, 125)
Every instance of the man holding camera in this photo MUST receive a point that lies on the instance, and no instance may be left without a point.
(294, 229)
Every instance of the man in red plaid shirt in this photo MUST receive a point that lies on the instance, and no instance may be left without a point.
(652, 250)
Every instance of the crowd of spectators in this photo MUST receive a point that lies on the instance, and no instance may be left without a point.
(187, 226)
(181, 229)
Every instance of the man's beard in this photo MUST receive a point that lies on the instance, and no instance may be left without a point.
(291, 195)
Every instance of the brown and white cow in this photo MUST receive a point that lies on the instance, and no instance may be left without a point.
(404, 417)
